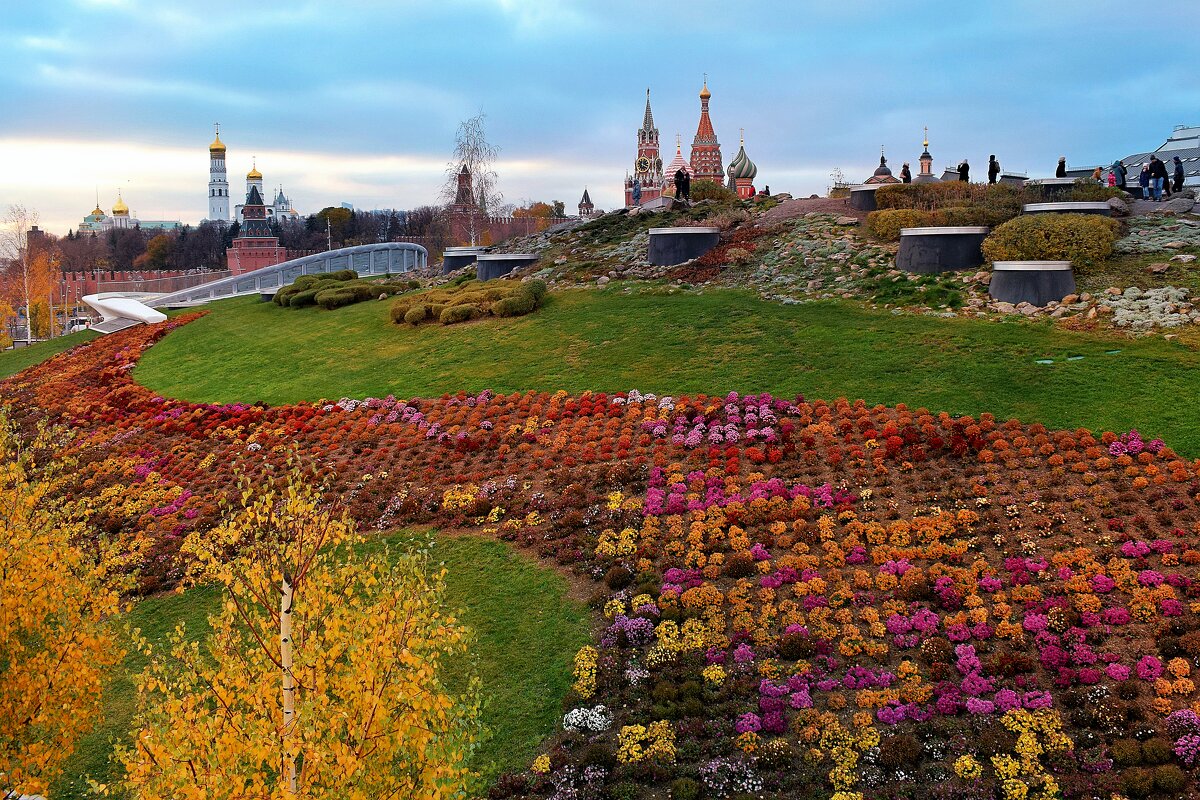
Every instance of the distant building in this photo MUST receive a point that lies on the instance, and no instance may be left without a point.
(742, 172)
(1184, 142)
(648, 165)
(882, 174)
(706, 150)
(255, 247)
(121, 218)
(587, 209)
(279, 210)
(926, 174)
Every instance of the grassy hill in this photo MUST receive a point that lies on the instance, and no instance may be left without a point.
(680, 342)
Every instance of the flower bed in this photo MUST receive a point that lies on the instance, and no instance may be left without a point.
(794, 597)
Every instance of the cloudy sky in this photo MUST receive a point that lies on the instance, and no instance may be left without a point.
(358, 101)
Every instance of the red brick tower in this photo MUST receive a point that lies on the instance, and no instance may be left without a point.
(255, 247)
(706, 150)
(648, 166)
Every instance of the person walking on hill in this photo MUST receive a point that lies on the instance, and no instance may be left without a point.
(905, 174)
(1098, 176)
(1120, 173)
(1061, 171)
(993, 169)
(964, 171)
(1144, 181)
(637, 192)
(1178, 185)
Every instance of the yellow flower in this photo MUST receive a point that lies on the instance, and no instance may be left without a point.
(968, 768)
(541, 764)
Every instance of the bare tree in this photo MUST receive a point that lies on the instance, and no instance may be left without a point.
(472, 150)
(14, 248)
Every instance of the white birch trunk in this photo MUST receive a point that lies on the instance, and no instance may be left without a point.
(289, 682)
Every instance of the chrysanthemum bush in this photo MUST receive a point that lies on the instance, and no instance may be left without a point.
(793, 597)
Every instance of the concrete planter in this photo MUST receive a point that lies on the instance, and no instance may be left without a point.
(1035, 282)
(863, 197)
(943, 249)
(1052, 187)
(1012, 179)
(1103, 209)
(458, 257)
(670, 246)
(267, 297)
(494, 265)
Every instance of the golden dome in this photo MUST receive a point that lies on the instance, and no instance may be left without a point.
(96, 212)
(254, 174)
(705, 93)
(119, 207)
(217, 146)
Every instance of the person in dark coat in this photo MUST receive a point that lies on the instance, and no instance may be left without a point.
(993, 169)
(1144, 181)
(680, 177)
(1178, 186)
(687, 185)
(1061, 171)
(964, 171)
(1120, 173)
(637, 192)
(905, 174)
(1158, 177)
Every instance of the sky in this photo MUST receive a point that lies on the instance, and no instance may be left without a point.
(358, 101)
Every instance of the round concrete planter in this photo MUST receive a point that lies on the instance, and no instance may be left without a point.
(943, 249)
(863, 197)
(267, 297)
(1035, 282)
(458, 257)
(494, 265)
(670, 246)
(1052, 187)
(1102, 209)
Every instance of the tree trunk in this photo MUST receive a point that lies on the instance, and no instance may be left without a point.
(289, 682)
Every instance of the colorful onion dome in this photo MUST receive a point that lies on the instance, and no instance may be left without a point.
(678, 163)
(704, 92)
(742, 166)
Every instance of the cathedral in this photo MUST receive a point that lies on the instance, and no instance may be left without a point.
(704, 163)
(121, 218)
(219, 203)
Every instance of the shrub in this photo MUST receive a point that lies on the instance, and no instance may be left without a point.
(454, 314)
(684, 789)
(1083, 239)
(618, 577)
(927, 196)
(711, 190)
(1138, 782)
(415, 315)
(516, 305)
(1126, 753)
(329, 299)
(900, 750)
(537, 288)
(740, 565)
(1156, 751)
(886, 224)
(306, 298)
(1085, 190)
(399, 309)
(1169, 779)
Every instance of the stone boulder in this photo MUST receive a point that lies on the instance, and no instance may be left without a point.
(1177, 205)
(1119, 207)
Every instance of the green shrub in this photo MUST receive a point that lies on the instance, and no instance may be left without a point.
(684, 789)
(1157, 751)
(415, 315)
(308, 297)
(537, 288)
(886, 224)
(1087, 191)
(1138, 782)
(926, 196)
(1169, 779)
(1082, 239)
(399, 309)
(711, 190)
(516, 305)
(330, 299)
(1126, 752)
(452, 314)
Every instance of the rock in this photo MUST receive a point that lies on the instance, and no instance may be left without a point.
(846, 221)
(1177, 205)
(383, 295)
(1086, 297)
(1113, 291)
(1104, 309)
(1175, 245)
(1058, 312)
(1091, 314)
(1070, 299)
(603, 280)
(1158, 269)
(1005, 308)
(1184, 258)
(1120, 207)
(1031, 311)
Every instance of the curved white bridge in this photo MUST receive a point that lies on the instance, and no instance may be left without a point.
(124, 310)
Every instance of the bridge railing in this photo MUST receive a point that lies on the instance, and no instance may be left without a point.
(162, 285)
(367, 259)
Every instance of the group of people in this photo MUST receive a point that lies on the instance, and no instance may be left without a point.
(1155, 181)
(964, 171)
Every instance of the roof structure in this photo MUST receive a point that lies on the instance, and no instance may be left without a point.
(1184, 142)
(648, 119)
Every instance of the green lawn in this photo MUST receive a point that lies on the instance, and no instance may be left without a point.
(13, 361)
(526, 632)
(712, 342)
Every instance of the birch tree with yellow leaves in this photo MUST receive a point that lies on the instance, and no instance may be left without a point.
(321, 676)
(56, 606)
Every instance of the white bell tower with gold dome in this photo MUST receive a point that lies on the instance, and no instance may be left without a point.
(218, 183)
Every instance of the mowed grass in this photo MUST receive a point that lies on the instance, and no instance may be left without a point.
(713, 342)
(525, 628)
(13, 361)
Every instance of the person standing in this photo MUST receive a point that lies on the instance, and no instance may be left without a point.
(905, 174)
(1144, 182)
(1178, 186)
(1112, 180)
(993, 169)
(964, 171)
(1120, 173)
(687, 185)
(637, 192)
(680, 175)
(1097, 176)
(1061, 171)
(1158, 177)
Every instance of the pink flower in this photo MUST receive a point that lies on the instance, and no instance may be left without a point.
(1149, 668)
(1118, 672)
